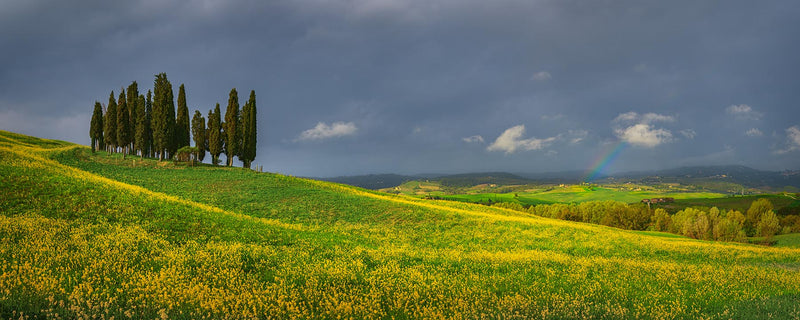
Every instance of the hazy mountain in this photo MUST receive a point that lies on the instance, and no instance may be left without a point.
(720, 176)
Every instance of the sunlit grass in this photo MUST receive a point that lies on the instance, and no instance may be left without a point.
(86, 235)
(578, 194)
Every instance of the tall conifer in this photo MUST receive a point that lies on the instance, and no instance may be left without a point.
(199, 134)
(232, 130)
(133, 105)
(182, 122)
(248, 148)
(148, 111)
(163, 117)
(123, 124)
(96, 127)
(110, 123)
(141, 126)
(214, 134)
(172, 146)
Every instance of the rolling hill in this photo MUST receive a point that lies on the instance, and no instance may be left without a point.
(87, 235)
(724, 179)
(721, 178)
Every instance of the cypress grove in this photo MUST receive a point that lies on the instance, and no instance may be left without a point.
(147, 125)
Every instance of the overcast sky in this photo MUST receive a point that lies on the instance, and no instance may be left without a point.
(431, 86)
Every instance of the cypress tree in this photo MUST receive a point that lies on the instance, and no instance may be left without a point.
(133, 104)
(209, 141)
(248, 148)
(182, 121)
(243, 118)
(163, 118)
(172, 145)
(199, 134)
(96, 127)
(214, 134)
(148, 123)
(159, 119)
(123, 124)
(110, 124)
(232, 130)
(141, 126)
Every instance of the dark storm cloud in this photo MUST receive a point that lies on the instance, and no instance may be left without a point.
(397, 86)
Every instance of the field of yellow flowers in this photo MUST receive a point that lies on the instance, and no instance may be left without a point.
(95, 236)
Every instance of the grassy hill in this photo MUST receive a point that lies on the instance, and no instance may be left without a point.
(543, 194)
(578, 194)
(85, 235)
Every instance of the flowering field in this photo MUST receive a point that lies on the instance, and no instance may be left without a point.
(85, 236)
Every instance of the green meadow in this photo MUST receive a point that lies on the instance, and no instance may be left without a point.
(533, 195)
(684, 196)
(86, 235)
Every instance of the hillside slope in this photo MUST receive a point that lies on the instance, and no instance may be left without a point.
(86, 235)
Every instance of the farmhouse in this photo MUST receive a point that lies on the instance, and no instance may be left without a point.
(658, 200)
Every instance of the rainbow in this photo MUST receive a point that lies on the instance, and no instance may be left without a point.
(602, 162)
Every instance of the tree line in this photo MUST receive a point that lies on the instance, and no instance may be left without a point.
(149, 126)
(713, 223)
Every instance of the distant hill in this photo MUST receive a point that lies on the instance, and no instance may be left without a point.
(382, 181)
(734, 174)
(720, 178)
(473, 179)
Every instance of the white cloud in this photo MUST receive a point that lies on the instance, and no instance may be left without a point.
(654, 117)
(647, 118)
(628, 116)
(742, 108)
(511, 140)
(576, 136)
(792, 140)
(541, 76)
(417, 130)
(323, 131)
(688, 133)
(743, 111)
(754, 132)
(644, 135)
(638, 130)
(473, 139)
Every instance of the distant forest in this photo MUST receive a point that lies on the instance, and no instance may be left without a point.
(713, 223)
(148, 126)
